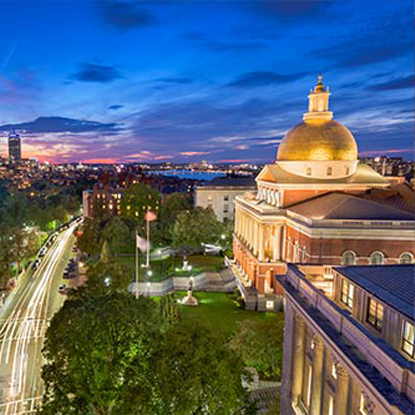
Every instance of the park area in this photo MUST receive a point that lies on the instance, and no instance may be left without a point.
(222, 313)
(165, 267)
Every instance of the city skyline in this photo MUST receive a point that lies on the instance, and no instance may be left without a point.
(141, 81)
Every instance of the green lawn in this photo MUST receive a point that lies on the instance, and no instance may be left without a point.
(165, 268)
(220, 312)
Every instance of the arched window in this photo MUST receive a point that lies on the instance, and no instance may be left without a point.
(296, 252)
(308, 171)
(349, 258)
(376, 258)
(303, 254)
(406, 258)
(329, 171)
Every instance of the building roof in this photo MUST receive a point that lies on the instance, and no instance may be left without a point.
(392, 284)
(344, 206)
(315, 141)
(364, 175)
(231, 182)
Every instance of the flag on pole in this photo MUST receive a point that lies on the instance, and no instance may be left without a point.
(150, 216)
(142, 244)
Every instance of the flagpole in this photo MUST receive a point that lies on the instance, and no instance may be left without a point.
(148, 241)
(136, 265)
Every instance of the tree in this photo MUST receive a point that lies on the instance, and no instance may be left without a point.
(90, 240)
(138, 199)
(259, 343)
(105, 277)
(114, 355)
(193, 372)
(118, 236)
(174, 204)
(89, 349)
(193, 228)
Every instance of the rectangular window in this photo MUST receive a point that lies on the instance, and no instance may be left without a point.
(408, 341)
(347, 292)
(225, 208)
(375, 314)
(225, 198)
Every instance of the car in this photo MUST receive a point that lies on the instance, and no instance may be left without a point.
(42, 252)
(62, 289)
(35, 264)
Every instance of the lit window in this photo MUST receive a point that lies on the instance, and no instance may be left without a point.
(269, 305)
(331, 405)
(408, 341)
(406, 258)
(308, 171)
(209, 198)
(333, 371)
(347, 293)
(376, 258)
(375, 314)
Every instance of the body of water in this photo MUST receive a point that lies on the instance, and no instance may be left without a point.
(189, 174)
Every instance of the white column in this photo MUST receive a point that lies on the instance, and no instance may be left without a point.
(277, 243)
(261, 243)
(284, 244)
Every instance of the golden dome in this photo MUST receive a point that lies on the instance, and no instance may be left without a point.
(314, 140)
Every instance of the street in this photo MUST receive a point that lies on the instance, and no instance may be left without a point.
(23, 322)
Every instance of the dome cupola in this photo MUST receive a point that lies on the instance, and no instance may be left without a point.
(319, 142)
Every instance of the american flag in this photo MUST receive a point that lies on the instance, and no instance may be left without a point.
(150, 216)
(142, 244)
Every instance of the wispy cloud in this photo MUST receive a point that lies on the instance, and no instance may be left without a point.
(92, 72)
(125, 15)
(263, 78)
(397, 83)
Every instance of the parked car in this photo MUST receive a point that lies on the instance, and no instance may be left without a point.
(62, 289)
(35, 264)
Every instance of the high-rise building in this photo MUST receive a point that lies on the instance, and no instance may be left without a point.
(15, 150)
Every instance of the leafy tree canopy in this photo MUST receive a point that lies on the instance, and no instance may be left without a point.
(115, 355)
(259, 343)
(193, 228)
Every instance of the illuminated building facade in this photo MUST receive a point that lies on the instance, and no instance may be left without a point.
(316, 205)
(349, 340)
(15, 150)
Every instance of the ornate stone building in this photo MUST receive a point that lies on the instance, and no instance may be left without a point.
(349, 340)
(318, 204)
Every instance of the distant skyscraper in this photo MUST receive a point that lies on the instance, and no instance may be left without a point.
(15, 151)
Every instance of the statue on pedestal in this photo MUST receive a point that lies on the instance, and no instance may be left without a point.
(189, 299)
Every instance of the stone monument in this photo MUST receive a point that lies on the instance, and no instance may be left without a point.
(189, 299)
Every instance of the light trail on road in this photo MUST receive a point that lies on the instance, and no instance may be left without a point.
(24, 320)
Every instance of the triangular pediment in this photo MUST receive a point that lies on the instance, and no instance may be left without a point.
(266, 176)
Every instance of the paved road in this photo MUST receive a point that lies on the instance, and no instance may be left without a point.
(23, 323)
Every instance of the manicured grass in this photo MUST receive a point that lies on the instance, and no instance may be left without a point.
(220, 312)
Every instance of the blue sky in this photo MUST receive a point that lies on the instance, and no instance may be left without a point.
(155, 80)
